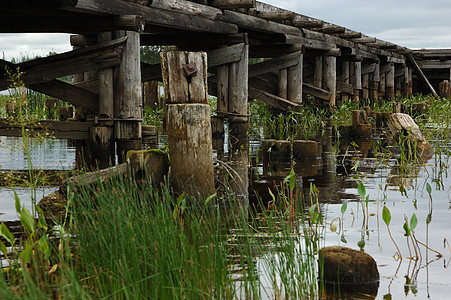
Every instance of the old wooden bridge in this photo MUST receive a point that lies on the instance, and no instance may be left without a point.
(301, 56)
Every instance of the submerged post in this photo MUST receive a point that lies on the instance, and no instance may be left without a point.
(390, 82)
(330, 77)
(188, 122)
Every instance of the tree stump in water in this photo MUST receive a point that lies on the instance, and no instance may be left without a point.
(402, 126)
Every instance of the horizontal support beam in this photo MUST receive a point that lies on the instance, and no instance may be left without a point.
(193, 39)
(314, 91)
(275, 64)
(71, 24)
(272, 100)
(159, 17)
(232, 4)
(72, 62)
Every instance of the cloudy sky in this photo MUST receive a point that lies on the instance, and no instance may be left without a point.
(409, 23)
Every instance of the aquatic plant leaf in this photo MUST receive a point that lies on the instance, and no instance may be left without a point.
(333, 228)
(428, 188)
(43, 244)
(41, 220)
(429, 218)
(406, 228)
(4, 232)
(209, 198)
(413, 222)
(361, 190)
(386, 216)
(361, 244)
(292, 183)
(344, 206)
(343, 239)
(27, 220)
(26, 252)
(3, 248)
(17, 202)
(53, 269)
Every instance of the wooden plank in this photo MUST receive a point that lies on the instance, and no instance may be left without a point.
(187, 7)
(225, 55)
(150, 72)
(368, 68)
(259, 51)
(316, 91)
(62, 90)
(272, 100)
(343, 87)
(308, 23)
(274, 64)
(420, 73)
(72, 62)
(71, 24)
(332, 29)
(254, 23)
(190, 39)
(232, 4)
(159, 17)
(276, 15)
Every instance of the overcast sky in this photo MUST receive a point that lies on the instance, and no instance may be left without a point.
(410, 23)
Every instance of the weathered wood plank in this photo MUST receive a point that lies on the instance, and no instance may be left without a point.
(76, 61)
(232, 4)
(276, 15)
(274, 64)
(272, 100)
(156, 16)
(225, 55)
(316, 91)
(71, 24)
(193, 39)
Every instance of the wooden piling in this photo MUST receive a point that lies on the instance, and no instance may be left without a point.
(330, 77)
(294, 81)
(318, 73)
(283, 82)
(356, 78)
(188, 123)
(345, 78)
(390, 83)
(151, 95)
(128, 97)
(375, 78)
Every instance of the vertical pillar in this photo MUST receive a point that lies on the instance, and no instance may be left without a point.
(410, 84)
(283, 82)
(356, 78)
(345, 78)
(151, 95)
(318, 73)
(222, 105)
(330, 77)
(239, 126)
(188, 123)
(390, 83)
(102, 136)
(294, 81)
(365, 86)
(128, 97)
(375, 78)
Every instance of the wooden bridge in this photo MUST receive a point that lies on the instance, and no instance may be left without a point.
(299, 57)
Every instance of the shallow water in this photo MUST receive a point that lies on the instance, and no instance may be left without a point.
(336, 176)
(337, 181)
(49, 154)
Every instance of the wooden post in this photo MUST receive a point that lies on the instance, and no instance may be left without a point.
(375, 78)
(283, 81)
(365, 86)
(151, 95)
(356, 78)
(410, 83)
(188, 123)
(345, 78)
(294, 81)
(318, 73)
(223, 101)
(390, 83)
(330, 77)
(101, 137)
(128, 97)
(239, 125)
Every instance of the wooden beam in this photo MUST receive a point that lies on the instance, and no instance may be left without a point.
(257, 24)
(225, 55)
(232, 4)
(272, 100)
(368, 68)
(72, 62)
(259, 51)
(420, 74)
(40, 4)
(71, 24)
(343, 87)
(274, 64)
(332, 29)
(276, 15)
(62, 90)
(159, 17)
(193, 39)
(308, 23)
(316, 91)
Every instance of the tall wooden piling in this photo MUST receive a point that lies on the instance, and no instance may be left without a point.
(128, 97)
(294, 81)
(390, 83)
(356, 78)
(283, 82)
(101, 137)
(330, 77)
(345, 78)
(238, 110)
(188, 123)
(375, 78)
